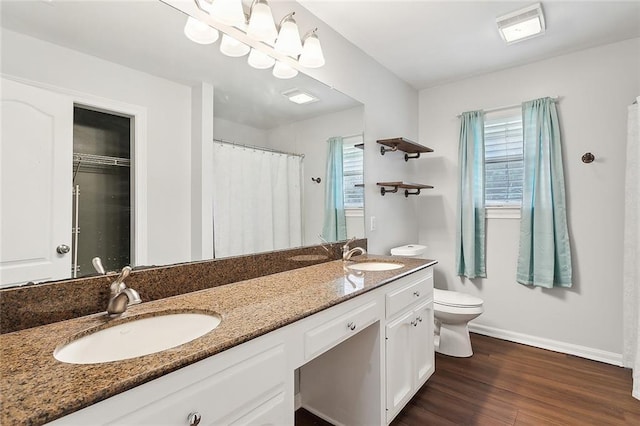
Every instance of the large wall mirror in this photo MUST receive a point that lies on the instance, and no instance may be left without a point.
(102, 105)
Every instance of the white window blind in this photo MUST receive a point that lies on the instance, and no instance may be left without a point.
(352, 169)
(503, 155)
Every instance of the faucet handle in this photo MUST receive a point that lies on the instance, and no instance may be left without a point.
(123, 275)
(97, 264)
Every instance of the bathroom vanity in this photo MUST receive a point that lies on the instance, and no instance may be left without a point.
(362, 343)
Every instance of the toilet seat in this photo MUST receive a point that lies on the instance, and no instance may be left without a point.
(455, 299)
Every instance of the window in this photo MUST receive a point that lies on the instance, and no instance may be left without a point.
(503, 157)
(352, 169)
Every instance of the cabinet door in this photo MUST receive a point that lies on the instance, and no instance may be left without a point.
(423, 344)
(35, 182)
(399, 365)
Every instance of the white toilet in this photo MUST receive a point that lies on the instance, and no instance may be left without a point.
(452, 311)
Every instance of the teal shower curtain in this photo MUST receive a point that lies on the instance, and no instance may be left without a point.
(470, 226)
(545, 254)
(335, 222)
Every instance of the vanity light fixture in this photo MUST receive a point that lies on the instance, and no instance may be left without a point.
(283, 70)
(288, 41)
(232, 47)
(199, 32)
(260, 60)
(228, 12)
(299, 97)
(261, 25)
(522, 24)
(311, 56)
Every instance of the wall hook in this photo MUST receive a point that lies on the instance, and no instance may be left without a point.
(588, 158)
(316, 180)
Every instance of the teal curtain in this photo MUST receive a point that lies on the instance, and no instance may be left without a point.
(470, 222)
(335, 222)
(545, 256)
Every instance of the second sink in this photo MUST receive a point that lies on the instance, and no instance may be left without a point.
(136, 338)
(375, 266)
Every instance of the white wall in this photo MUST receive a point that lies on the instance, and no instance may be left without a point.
(168, 107)
(595, 86)
(390, 110)
(309, 137)
(239, 133)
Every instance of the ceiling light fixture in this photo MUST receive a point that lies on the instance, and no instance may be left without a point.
(299, 97)
(271, 41)
(522, 24)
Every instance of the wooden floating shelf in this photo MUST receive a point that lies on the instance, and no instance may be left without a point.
(402, 185)
(359, 185)
(404, 145)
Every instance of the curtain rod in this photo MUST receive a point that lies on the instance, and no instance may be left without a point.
(554, 98)
(258, 148)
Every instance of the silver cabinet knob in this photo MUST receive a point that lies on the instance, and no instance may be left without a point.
(351, 326)
(194, 419)
(416, 293)
(63, 249)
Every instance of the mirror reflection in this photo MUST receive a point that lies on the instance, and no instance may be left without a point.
(124, 139)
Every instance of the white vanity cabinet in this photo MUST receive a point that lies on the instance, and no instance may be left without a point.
(233, 388)
(408, 341)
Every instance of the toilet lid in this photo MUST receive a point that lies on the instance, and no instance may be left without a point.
(454, 298)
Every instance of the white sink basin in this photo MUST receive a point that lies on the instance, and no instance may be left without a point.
(375, 266)
(137, 338)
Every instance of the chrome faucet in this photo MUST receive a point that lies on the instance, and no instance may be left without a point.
(347, 253)
(121, 295)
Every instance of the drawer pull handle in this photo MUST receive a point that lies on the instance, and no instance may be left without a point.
(414, 323)
(194, 419)
(351, 326)
(416, 293)
(419, 319)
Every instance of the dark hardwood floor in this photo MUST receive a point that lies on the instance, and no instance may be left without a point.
(506, 383)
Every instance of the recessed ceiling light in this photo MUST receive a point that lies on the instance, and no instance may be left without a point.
(522, 24)
(299, 97)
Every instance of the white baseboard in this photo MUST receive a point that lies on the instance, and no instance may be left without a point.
(553, 345)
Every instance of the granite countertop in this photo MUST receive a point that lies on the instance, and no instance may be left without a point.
(36, 388)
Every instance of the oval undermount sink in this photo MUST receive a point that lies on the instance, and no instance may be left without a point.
(375, 266)
(137, 338)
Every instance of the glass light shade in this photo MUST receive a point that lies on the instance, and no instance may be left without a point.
(260, 60)
(199, 32)
(288, 42)
(232, 47)
(261, 25)
(228, 12)
(312, 56)
(284, 71)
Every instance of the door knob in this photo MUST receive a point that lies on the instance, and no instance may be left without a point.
(63, 249)
(194, 419)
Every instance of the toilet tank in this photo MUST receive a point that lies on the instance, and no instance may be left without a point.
(410, 250)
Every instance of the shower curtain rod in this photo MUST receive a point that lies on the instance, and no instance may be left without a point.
(258, 148)
(554, 98)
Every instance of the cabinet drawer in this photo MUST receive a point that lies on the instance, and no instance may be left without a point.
(326, 336)
(403, 297)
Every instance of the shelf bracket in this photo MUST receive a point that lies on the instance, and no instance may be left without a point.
(407, 193)
(407, 156)
(384, 190)
(383, 150)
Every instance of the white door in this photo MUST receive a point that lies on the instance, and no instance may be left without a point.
(399, 368)
(35, 204)
(423, 344)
